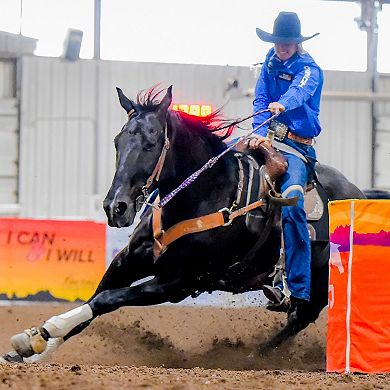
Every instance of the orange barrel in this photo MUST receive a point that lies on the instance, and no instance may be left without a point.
(358, 338)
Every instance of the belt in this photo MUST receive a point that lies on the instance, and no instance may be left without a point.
(280, 131)
(301, 140)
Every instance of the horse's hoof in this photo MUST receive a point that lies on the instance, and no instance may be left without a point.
(29, 342)
(11, 358)
(21, 344)
(52, 345)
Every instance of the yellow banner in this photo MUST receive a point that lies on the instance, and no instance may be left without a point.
(44, 259)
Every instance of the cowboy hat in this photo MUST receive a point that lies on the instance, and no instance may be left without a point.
(287, 29)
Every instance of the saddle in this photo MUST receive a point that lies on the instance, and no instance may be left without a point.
(256, 181)
(259, 173)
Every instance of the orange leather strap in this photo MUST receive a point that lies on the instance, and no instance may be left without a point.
(195, 225)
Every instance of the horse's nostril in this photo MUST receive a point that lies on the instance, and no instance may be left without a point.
(120, 208)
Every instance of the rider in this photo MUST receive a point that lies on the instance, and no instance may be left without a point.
(290, 85)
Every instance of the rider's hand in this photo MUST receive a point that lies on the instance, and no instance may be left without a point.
(276, 108)
(256, 140)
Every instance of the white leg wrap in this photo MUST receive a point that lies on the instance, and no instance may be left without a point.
(61, 325)
(52, 346)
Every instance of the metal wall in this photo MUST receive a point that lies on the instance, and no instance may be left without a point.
(382, 147)
(70, 114)
(345, 142)
(12, 45)
(8, 134)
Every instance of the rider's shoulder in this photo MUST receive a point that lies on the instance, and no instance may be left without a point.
(305, 59)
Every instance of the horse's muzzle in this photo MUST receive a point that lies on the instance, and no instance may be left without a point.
(120, 213)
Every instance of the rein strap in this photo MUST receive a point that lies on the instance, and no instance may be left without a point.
(195, 225)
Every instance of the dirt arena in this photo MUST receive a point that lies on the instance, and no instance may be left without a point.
(173, 347)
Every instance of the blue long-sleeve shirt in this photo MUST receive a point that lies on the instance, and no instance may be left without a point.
(297, 85)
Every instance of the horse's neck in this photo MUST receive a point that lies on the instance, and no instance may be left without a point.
(213, 189)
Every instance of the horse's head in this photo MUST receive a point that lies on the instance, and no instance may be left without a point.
(138, 148)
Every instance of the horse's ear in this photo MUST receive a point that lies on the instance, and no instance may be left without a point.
(165, 103)
(126, 103)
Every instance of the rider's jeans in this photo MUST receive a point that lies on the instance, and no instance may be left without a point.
(296, 236)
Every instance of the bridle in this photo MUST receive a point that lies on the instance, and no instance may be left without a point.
(155, 176)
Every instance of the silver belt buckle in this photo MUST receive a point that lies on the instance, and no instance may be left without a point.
(279, 129)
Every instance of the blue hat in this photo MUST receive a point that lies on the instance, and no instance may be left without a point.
(287, 29)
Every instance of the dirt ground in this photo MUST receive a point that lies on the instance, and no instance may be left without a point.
(175, 347)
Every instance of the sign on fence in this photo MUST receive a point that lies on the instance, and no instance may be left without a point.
(44, 259)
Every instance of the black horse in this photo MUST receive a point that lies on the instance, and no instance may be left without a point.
(159, 148)
(376, 193)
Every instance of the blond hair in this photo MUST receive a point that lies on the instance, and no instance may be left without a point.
(300, 49)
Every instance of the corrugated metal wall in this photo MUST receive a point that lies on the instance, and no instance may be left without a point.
(8, 134)
(70, 114)
(12, 45)
(382, 148)
(345, 141)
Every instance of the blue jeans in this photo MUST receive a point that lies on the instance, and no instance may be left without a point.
(297, 243)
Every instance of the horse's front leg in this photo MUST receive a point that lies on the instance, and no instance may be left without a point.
(152, 292)
(131, 264)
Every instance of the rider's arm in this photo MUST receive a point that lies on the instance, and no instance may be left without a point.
(302, 88)
(261, 101)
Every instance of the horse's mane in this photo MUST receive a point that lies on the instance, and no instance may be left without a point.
(212, 126)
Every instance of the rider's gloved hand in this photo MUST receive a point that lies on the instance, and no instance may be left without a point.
(276, 108)
(256, 140)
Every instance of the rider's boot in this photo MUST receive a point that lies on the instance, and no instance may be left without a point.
(297, 305)
(277, 299)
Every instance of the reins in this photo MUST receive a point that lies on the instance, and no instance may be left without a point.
(210, 163)
(155, 176)
(223, 217)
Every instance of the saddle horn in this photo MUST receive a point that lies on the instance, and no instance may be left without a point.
(275, 162)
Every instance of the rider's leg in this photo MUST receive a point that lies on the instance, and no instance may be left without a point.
(297, 244)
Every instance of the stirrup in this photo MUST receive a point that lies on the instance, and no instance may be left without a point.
(30, 342)
(282, 307)
(273, 293)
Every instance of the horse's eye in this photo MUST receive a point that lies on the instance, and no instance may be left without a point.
(153, 130)
(148, 146)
